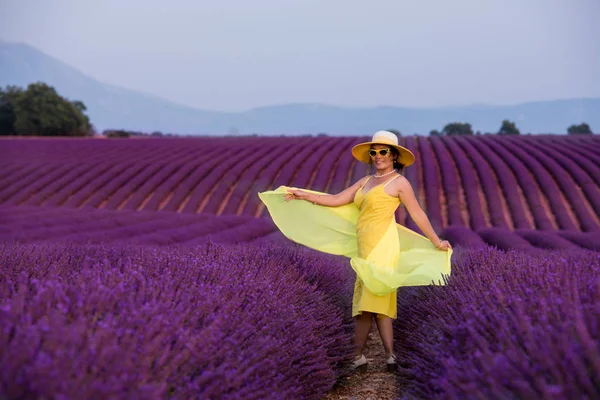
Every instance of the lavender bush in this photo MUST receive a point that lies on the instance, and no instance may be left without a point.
(508, 185)
(432, 185)
(504, 239)
(577, 168)
(449, 182)
(546, 184)
(527, 183)
(545, 240)
(125, 322)
(510, 325)
(572, 184)
(469, 183)
(489, 183)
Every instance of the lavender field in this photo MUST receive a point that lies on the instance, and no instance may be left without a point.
(147, 268)
(509, 192)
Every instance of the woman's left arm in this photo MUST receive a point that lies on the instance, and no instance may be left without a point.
(407, 197)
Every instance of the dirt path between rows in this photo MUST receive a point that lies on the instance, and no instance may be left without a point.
(375, 384)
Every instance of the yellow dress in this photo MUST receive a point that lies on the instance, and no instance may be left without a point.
(385, 255)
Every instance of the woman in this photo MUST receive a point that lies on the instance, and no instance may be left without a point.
(359, 222)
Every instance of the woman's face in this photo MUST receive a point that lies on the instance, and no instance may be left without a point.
(380, 161)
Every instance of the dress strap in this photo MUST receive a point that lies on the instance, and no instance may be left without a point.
(390, 180)
(363, 185)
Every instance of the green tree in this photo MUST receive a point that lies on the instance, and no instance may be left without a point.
(395, 132)
(434, 132)
(40, 110)
(580, 129)
(508, 128)
(8, 116)
(457, 128)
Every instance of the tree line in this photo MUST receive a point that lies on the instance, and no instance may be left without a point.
(39, 110)
(506, 128)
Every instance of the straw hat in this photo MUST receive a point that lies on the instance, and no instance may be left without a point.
(361, 151)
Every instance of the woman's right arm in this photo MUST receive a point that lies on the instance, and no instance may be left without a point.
(332, 200)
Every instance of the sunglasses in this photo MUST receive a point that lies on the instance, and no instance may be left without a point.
(382, 152)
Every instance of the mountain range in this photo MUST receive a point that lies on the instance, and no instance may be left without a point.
(113, 107)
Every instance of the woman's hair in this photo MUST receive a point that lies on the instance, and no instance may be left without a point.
(397, 165)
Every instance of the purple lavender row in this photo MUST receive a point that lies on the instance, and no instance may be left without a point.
(296, 173)
(411, 173)
(586, 240)
(254, 178)
(218, 175)
(312, 165)
(216, 323)
(590, 141)
(95, 185)
(75, 225)
(37, 184)
(509, 185)
(585, 173)
(194, 234)
(130, 186)
(186, 187)
(546, 240)
(159, 185)
(50, 225)
(510, 325)
(526, 182)
(449, 182)
(462, 237)
(104, 187)
(545, 182)
(231, 177)
(25, 216)
(200, 169)
(431, 184)
(343, 170)
(574, 156)
(41, 174)
(42, 196)
(359, 169)
(79, 183)
(14, 175)
(265, 180)
(14, 183)
(153, 183)
(106, 192)
(469, 184)
(246, 232)
(109, 226)
(336, 152)
(38, 175)
(489, 183)
(504, 239)
(172, 183)
(567, 183)
(578, 147)
(122, 229)
(290, 169)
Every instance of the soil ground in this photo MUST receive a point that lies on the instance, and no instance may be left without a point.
(374, 384)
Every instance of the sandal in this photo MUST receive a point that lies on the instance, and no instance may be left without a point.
(391, 364)
(360, 364)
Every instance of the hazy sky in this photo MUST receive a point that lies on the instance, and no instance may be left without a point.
(237, 54)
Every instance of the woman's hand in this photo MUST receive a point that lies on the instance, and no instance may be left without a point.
(296, 194)
(443, 245)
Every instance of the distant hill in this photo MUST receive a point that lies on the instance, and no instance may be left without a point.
(114, 107)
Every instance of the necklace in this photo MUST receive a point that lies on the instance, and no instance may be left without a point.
(387, 173)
